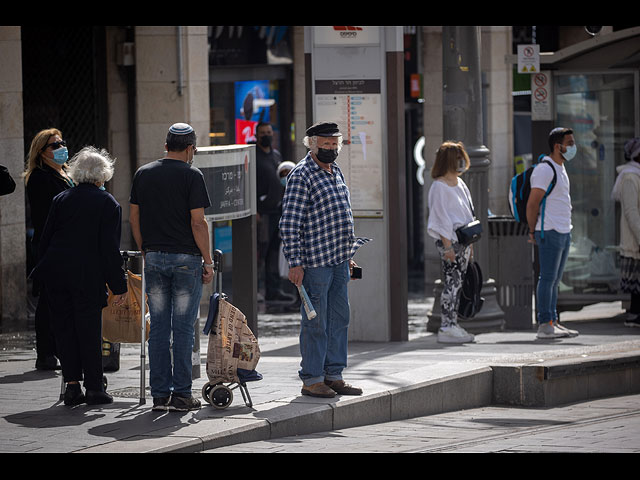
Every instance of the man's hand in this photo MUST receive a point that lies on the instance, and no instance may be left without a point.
(207, 274)
(296, 274)
(351, 265)
(532, 238)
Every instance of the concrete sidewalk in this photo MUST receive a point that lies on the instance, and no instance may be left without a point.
(400, 380)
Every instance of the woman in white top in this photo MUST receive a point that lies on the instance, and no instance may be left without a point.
(450, 207)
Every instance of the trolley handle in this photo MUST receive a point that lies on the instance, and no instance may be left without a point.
(217, 270)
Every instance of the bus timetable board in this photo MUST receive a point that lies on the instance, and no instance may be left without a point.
(229, 173)
(356, 106)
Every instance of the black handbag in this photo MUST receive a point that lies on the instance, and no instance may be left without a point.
(471, 232)
(471, 302)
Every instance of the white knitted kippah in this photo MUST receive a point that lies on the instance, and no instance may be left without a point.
(180, 129)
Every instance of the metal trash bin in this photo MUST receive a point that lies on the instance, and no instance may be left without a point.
(511, 265)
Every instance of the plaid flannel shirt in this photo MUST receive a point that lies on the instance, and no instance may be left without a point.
(316, 226)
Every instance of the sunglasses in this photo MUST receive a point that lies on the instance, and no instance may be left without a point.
(55, 145)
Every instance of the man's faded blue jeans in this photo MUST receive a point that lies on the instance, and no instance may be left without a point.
(323, 339)
(553, 251)
(174, 289)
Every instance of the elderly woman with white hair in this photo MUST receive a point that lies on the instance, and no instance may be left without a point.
(79, 255)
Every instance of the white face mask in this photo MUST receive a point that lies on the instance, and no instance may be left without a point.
(570, 153)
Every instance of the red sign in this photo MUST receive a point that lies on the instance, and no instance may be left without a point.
(245, 131)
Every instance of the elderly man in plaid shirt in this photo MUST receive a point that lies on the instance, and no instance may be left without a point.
(319, 242)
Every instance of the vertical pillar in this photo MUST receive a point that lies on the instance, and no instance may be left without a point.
(354, 76)
(13, 284)
(462, 112)
(396, 186)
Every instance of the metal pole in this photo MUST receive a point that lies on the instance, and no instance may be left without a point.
(143, 324)
(462, 121)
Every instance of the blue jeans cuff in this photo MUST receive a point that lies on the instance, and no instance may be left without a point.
(310, 381)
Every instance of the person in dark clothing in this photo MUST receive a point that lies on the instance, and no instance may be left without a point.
(45, 177)
(79, 255)
(269, 194)
(7, 184)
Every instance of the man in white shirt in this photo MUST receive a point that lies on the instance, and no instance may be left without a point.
(550, 229)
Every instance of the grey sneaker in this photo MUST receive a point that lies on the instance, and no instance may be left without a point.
(549, 330)
(183, 404)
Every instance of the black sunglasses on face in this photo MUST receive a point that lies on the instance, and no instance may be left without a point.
(55, 145)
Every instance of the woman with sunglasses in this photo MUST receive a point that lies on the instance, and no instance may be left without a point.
(45, 177)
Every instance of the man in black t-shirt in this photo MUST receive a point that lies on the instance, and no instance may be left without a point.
(168, 198)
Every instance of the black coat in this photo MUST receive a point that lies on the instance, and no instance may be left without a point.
(80, 244)
(44, 183)
(7, 184)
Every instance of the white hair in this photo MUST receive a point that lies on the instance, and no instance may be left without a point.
(312, 143)
(91, 165)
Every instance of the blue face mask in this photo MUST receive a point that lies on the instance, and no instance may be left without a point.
(101, 187)
(61, 155)
(283, 181)
(570, 153)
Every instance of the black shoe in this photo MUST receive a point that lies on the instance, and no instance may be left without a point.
(633, 321)
(96, 397)
(73, 394)
(183, 404)
(160, 404)
(49, 362)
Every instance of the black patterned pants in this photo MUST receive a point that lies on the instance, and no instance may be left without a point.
(453, 277)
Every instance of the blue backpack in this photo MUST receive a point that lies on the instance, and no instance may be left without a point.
(520, 190)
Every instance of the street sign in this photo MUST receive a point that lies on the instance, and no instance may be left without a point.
(541, 96)
(528, 58)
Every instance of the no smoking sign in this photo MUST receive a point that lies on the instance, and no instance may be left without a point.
(541, 96)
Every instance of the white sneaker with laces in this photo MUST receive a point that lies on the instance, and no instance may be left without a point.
(572, 333)
(454, 334)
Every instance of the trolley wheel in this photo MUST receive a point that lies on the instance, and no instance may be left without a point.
(220, 396)
(206, 390)
(105, 383)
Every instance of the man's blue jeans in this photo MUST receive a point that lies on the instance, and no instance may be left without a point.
(553, 251)
(174, 289)
(324, 340)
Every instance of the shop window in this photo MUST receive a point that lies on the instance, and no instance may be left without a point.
(599, 108)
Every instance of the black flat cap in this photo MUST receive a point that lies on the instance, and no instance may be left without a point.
(323, 129)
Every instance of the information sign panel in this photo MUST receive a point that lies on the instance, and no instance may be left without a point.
(229, 173)
(355, 105)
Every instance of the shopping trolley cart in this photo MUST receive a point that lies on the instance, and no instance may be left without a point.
(231, 346)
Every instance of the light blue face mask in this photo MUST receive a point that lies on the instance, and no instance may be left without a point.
(101, 187)
(570, 153)
(61, 155)
(283, 181)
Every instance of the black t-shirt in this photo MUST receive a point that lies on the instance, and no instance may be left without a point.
(166, 191)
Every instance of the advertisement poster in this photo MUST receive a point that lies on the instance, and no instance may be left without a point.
(252, 105)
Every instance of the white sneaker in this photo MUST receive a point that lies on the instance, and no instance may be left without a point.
(454, 334)
(572, 333)
(548, 330)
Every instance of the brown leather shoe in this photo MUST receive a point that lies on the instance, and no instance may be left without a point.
(342, 388)
(318, 390)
